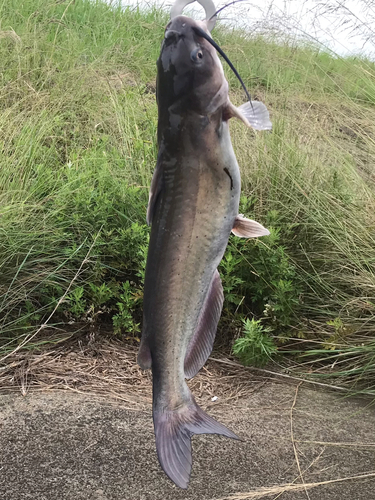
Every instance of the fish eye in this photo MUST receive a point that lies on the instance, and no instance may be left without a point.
(196, 55)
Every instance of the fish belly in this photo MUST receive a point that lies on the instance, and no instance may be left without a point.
(193, 219)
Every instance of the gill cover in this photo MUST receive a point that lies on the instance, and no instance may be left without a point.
(208, 6)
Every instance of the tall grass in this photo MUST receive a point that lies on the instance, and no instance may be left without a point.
(77, 150)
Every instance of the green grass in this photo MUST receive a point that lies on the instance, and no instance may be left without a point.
(78, 122)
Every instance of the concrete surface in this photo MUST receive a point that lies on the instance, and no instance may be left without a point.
(62, 445)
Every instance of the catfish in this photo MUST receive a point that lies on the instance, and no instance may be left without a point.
(193, 208)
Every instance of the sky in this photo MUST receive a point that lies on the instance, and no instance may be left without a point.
(347, 27)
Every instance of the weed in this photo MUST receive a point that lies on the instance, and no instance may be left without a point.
(255, 347)
(124, 320)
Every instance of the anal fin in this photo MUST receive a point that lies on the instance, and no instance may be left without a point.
(201, 344)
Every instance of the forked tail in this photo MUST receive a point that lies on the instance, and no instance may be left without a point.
(173, 432)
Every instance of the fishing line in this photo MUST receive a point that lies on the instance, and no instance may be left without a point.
(225, 6)
(204, 35)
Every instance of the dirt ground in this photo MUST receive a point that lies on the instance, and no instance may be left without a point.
(80, 444)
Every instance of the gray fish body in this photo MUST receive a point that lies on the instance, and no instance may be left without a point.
(192, 221)
(193, 208)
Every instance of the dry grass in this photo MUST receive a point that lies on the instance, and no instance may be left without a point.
(108, 368)
(284, 488)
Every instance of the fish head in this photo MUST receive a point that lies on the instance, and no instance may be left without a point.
(190, 73)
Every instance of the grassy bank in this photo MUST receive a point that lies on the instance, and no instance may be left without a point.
(77, 150)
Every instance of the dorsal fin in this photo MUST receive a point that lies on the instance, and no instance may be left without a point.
(201, 344)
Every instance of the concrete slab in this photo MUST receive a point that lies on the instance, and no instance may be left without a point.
(63, 445)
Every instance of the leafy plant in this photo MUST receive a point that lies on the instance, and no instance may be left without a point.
(259, 277)
(124, 320)
(77, 304)
(230, 277)
(256, 347)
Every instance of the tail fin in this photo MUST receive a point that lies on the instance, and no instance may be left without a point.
(173, 432)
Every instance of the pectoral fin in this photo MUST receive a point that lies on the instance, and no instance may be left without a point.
(201, 344)
(247, 228)
(254, 115)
